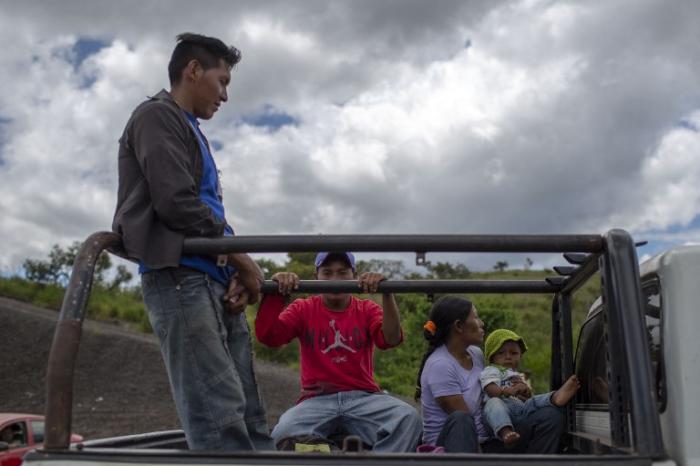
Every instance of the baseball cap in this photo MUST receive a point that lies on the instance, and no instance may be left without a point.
(322, 256)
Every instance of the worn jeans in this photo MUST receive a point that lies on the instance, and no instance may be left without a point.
(504, 412)
(459, 434)
(380, 420)
(208, 357)
(540, 432)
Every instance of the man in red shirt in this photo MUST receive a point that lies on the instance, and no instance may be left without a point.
(338, 333)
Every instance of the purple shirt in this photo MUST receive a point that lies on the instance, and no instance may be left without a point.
(444, 376)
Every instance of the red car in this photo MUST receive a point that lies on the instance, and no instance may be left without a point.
(20, 433)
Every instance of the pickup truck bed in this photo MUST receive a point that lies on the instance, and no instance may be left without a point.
(632, 414)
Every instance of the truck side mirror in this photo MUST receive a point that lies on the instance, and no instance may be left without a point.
(4, 446)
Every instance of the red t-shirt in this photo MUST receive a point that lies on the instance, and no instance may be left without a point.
(337, 347)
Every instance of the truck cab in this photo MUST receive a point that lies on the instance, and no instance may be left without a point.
(670, 294)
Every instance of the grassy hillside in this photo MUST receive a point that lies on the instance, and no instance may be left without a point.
(117, 305)
(529, 315)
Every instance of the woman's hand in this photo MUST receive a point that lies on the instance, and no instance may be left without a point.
(451, 403)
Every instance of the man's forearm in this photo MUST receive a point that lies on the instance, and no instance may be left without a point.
(248, 274)
(245, 264)
(391, 325)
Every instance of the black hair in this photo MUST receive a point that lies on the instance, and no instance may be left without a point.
(444, 313)
(206, 50)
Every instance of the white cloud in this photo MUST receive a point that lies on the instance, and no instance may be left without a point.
(668, 185)
(558, 117)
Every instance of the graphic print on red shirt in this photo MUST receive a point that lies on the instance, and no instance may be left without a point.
(337, 347)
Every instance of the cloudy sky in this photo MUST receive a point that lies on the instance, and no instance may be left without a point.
(376, 116)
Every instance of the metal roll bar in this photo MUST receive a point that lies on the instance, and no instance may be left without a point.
(395, 243)
(423, 286)
(66, 340)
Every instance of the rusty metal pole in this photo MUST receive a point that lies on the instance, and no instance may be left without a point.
(66, 339)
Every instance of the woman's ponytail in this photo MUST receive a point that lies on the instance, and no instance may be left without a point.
(443, 314)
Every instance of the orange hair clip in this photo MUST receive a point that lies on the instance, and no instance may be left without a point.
(430, 327)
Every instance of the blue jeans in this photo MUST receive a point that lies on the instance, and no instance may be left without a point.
(208, 357)
(380, 420)
(505, 412)
(459, 435)
(540, 432)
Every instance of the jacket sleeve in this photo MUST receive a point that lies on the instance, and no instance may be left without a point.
(275, 326)
(160, 146)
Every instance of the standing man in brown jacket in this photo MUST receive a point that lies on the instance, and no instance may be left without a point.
(168, 190)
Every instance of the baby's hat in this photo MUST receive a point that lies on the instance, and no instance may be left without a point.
(496, 339)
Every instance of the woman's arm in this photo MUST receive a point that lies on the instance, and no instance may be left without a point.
(452, 403)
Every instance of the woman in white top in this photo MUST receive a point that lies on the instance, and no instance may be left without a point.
(450, 391)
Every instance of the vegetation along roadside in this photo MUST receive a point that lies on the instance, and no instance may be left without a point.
(43, 284)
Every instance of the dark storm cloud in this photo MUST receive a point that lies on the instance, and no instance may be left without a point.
(369, 116)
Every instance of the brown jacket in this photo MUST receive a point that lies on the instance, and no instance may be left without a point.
(160, 171)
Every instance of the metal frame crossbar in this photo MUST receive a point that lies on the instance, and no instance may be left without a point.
(612, 254)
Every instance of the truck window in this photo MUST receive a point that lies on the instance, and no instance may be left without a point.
(591, 358)
(591, 362)
(651, 290)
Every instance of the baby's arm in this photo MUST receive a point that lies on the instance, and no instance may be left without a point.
(494, 391)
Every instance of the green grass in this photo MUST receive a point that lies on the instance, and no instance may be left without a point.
(527, 314)
(115, 305)
(396, 369)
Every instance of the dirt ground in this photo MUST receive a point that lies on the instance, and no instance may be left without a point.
(120, 382)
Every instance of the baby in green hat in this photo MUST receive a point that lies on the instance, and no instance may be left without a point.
(508, 398)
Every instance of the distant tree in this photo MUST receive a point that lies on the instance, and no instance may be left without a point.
(51, 271)
(500, 266)
(391, 269)
(302, 264)
(528, 263)
(56, 270)
(447, 271)
(41, 271)
(268, 266)
(121, 277)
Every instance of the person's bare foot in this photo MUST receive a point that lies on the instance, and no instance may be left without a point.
(566, 391)
(509, 437)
